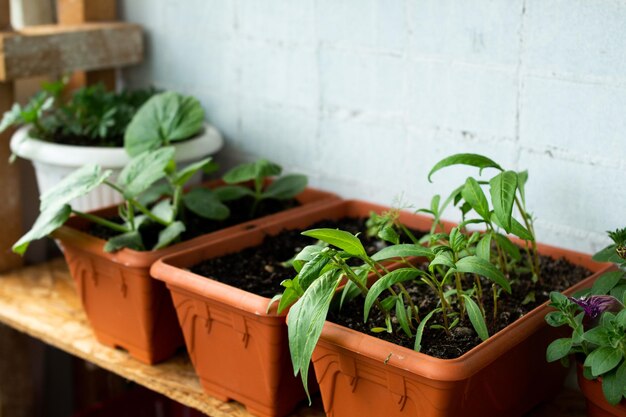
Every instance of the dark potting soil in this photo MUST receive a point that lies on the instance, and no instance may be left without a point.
(261, 269)
(196, 226)
(83, 140)
(557, 274)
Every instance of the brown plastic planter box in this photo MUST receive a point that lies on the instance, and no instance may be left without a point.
(239, 350)
(125, 306)
(505, 376)
(597, 406)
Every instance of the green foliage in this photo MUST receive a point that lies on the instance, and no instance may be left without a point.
(282, 188)
(601, 339)
(92, 116)
(164, 119)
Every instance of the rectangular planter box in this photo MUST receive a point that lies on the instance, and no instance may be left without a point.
(505, 376)
(125, 306)
(239, 350)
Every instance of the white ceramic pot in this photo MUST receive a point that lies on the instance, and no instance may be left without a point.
(53, 162)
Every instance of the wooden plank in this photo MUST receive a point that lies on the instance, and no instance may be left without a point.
(40, 50)
(11, 206)
(41, 301)
(71, 12)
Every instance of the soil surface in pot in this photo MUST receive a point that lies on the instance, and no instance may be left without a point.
(196, 226)
(261, 269)
(558, 275)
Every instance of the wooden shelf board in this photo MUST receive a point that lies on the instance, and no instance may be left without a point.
(60, 49)
(42, 302)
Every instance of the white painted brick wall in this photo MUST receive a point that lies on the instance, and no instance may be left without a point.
(365, 96)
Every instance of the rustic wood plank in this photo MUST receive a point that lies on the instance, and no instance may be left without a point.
(40, 50)
(41, 301)
(11, 206)
(5, 15)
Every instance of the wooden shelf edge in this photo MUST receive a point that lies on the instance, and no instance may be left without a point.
(55, 49)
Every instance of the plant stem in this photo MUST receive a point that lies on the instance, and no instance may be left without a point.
(408, 233)
(114, 186)
(102, 222)
(131, 215)
(529, 226)
(479, 294)
(148, 213)
(352, 277)
(495, 303)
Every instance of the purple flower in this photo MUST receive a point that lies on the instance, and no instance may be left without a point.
(594, 305)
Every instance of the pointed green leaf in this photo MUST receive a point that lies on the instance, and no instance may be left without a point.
(205, 203)
(286, 187)
(558, 349)
(473, 194)
(306, 320)
(502, 189)
(603, 360)
(130, 240)
(483, 248)
(402, 317)
(612, 387)
(252, 170)
(509, 247)
(394, 277)
(442, 258)
(169, 235)
(48, 221)
(516, 228)
(607, 282)
(470, 159)
(476, 317)
(164, 210)
(144, 170)
(522, 178)
(419, 333)
(185, 174)
(404, 250)
(476, 265)
(76, 184)
(339, 238)
(312, 269)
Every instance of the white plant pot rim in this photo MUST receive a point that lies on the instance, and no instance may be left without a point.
(25, 146)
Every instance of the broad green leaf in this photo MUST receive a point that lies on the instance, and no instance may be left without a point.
(306, 320)
(402, 317)
(476, 317)
(607, 254)
(154, 192)
(232, 192)
(76, 184)
(419, 333)
(509, 247)
(205, 203)
(339, 238)
(312, 269)
(470, 159)
(473, 194)
(598, 336)
(185, 174)
(164, 210)
(48, 221)
(164, 118)
(558, 349)
(169, 235)
(251, 170)
(556, 318)
(603, 359)
(476, 265)
(144, 170)
(502, 189)
(522, 178)
(483, 248)
(286, 187)
(607, 282)
(404, 250)
(394, 277)
(12, 117)
(612, 387)
(305, 255)
(130, 240)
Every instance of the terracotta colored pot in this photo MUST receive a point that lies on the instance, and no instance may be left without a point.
(128, 309)
(505, 376)
(239, 350)
(597, 406)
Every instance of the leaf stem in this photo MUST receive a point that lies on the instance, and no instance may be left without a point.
(103, 222)
(148, 213)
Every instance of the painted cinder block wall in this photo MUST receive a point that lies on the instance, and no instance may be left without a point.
(365, 96)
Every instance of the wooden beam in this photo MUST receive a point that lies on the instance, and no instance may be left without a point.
(10, 207)
(5, 15)
(41, 50)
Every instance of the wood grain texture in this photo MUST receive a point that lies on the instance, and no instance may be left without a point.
(5, 15)
(10, 197)
(46, 49)
(41, 301)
